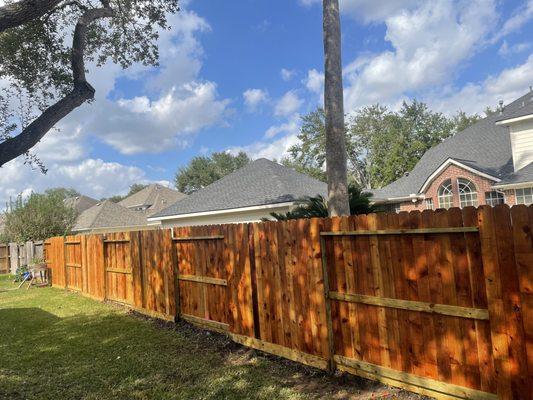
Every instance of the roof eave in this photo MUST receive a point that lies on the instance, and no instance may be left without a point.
(217, 212)
(447, 163)
(518, 185)
(510, 121)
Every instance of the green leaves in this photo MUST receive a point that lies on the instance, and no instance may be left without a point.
(40, 216)
(382, 144)
(317, 207)
(202, 171)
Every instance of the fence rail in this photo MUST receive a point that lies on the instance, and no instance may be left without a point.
(437, 302)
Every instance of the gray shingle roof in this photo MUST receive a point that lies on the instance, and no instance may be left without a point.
(80, 203)
(483, 146)
(261, 182)
(525, 107)
(155, 196)
(108, 215)
(521, 176)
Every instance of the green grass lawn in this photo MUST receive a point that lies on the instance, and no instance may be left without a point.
(59, 345)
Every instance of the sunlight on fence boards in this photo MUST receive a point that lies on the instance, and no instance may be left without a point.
(437, 302)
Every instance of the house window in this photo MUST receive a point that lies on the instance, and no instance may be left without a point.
(494, 198)
(467, 193)
(445, 194)
(524, 196)
(429, 204)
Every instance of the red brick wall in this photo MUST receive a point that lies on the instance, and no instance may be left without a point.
(454, 172)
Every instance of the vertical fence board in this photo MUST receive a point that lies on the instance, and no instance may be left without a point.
(264, 283)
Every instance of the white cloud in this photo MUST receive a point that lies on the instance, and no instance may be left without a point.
(93, 177)
(287, 136)
(314, 81)
(519, 18)
(508, 85)
(174, 105)
(254, 97)
(506, 49)
(140, 125)
(289, 127)
(287, 74)
(422, 55)
(369, 10)
(288, 104)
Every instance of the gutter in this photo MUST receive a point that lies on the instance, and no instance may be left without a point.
(219, 212)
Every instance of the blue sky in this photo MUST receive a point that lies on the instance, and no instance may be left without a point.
(237, 75)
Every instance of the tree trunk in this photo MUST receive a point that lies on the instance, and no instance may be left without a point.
(21, 12)
(338, 203)
(81, 92)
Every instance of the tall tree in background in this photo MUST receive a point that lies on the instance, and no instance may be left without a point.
(334, 108)
(381, 144)
(203, 171)
(43, 49)
(40, 216)
(136, 187)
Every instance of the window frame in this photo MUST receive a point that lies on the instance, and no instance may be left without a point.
(447, 198)
(467, 198)
(489, 199)
(524, 195)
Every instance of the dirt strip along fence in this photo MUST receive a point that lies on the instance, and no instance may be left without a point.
(436, 302)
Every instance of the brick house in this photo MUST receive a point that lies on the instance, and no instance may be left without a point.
(490, 162)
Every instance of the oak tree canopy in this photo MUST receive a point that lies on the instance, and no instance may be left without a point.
(45, 47)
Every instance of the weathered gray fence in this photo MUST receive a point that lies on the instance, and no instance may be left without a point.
(13, 255)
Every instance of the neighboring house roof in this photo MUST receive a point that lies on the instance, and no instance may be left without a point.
(262, 182)
(524, 108)
(108, 215)
(80, 203)
(484, 147)
(523, 175)
(154, 198)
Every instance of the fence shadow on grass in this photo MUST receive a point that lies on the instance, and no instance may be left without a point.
(117, 356)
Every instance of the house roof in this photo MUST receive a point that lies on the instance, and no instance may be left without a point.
(108, 215)
(155, 196)
(261, 182)
(484, 146)
(523, 175)
(80, 203)
(524, 108)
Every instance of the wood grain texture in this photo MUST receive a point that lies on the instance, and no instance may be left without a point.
(438, 302)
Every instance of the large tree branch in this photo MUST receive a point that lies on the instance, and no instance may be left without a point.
(81, 92)
(21, 12)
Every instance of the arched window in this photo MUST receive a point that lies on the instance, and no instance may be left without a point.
(445, 194)
(467, 193)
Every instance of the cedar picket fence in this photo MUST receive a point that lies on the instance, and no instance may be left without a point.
(436, 302)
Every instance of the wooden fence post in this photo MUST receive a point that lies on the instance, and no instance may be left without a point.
(136, 269)
(175, 281)
(327, 301)
(503, 296)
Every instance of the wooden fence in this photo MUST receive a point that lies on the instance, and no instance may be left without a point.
(438, 302)
(4, 259)
(14, 255)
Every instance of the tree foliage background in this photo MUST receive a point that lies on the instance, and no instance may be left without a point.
(46, 47)
(204, 170)
(40, 216)
(381, 144)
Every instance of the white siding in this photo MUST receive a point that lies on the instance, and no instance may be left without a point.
(230, 217)
(522, 143)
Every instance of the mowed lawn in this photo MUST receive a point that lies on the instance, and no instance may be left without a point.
(59, 345)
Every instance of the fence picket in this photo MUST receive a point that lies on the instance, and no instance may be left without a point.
(438, 302)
